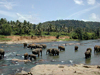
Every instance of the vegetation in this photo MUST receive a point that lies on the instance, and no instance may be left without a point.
(2, 38)
(75, 29)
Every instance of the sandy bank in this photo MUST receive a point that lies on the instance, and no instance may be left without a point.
(47, 69)
(29, 39)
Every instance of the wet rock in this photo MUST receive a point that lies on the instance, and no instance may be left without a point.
(22, 73)
(86, 66)
(98, 67)
(61, 66)
(21, 60)
(17, 54)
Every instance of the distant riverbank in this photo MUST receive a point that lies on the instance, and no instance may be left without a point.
(29, 39)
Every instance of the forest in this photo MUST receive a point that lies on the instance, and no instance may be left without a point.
(74, 28)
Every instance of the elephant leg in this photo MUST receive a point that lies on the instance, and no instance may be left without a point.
(53, 54)
(46, 52)
(38, 54)
(31, 58)
(34, 58)
(0, 56)
(57, 53)
(25, 57)
(41, 53)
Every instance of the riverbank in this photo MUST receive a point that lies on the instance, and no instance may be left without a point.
(48, 69)
(34, 39)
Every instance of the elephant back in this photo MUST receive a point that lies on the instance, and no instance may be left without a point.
(61, 47)
(26, 54)
(29, 46)
(88, 52)
(39, 46)
(25, 44)
(43, 45)
(33, 45)
(95, 47)
(2, 51)
(30, 55)
(89, 49)
(35, 51)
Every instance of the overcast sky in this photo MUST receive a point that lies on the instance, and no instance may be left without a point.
(36, 11)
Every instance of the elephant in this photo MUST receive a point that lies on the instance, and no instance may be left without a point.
(61, 48)
(39, 46)
(76, 47)
(25, 45)
(96, 48)
(54, 51)
(37, 51)
(2, 53)
(26, 56)
(48, 50)
(44, 46)
(32, 56)
(88, 53)
(31, 46)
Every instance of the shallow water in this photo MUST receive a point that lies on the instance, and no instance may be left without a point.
(68, 57)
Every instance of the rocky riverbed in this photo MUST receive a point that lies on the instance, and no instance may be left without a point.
(48, 69)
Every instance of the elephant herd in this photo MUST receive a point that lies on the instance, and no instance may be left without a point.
(37, 50)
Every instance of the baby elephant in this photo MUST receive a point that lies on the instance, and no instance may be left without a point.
(32, 56)
(61, 48)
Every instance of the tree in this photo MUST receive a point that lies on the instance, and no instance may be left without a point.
(6, 29)
(78, 31)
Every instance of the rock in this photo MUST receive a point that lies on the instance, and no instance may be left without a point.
(21, 60)
(98, 67)
(22, 73)
(86, 66)
(61, 66)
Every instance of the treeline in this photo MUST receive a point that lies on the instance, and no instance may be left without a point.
(73, 28)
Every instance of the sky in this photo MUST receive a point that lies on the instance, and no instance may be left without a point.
(39, 11)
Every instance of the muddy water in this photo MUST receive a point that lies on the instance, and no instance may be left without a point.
(68, 57)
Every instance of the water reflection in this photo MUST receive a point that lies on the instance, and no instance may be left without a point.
(88, 61)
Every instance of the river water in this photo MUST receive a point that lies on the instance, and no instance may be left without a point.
(67, 57)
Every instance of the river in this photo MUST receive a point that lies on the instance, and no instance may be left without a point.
(67, 57)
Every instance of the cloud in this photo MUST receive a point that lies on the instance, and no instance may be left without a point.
(31, 18)
(83, 11)
(80, 2)
(6, 13)
(16, 16)
(32, 7)
(7, 5)
(84, 20)
(91, 2)
(94, 17)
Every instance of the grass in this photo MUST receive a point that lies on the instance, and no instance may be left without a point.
(2, 38)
